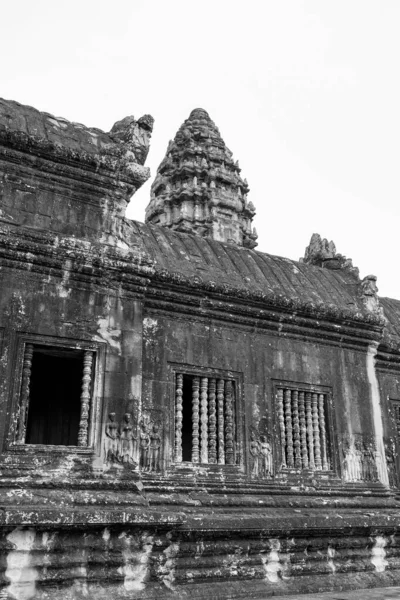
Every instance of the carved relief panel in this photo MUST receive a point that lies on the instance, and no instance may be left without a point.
(260, 454)
(361, 459)
(136, 442)
(392, 444)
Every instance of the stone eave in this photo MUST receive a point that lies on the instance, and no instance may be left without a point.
(102, 265)
(94, 264)
(388, 356)
(344, 335)
(268, 300)
(114, 171)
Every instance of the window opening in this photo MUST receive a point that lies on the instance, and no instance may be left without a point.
(55, 396)
(302, 417)
(205, 431)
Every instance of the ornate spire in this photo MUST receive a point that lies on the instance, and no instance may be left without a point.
(198, 188)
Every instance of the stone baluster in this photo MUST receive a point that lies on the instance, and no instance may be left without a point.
(233, 404)
(229, 449)
(303, 431)
(204, 419)
(315, 420)
(195, 420)
(178, 417)
(281, 419)
(322, 425)
(85, 399)
(296, 429)
(289, 428)
(221, 421)
(310, 432)
(212, 422)
(25, 385)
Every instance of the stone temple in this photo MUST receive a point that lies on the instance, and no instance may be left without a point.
(181, 415)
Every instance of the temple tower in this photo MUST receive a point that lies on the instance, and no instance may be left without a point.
(198, 188)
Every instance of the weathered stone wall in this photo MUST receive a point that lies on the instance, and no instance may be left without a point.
(121, 516)
(261, 358)
(124, 562)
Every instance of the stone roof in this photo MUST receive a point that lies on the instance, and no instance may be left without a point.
(252, 272)
(123, 149)
(391, 310)
(325, 284)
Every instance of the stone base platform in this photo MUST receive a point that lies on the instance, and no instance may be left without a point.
(392, 593)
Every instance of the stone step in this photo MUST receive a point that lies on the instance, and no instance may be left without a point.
(392, 593)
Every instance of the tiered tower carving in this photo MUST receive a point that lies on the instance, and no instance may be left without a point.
(198, 188)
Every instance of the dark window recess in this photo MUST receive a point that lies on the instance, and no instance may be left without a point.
(187, 422)
(54, 398)
(205, 423)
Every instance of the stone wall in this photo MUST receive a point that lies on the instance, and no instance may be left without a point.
(239, 414)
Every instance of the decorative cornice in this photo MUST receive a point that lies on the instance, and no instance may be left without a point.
(135, 271)
(116, 170)
(101, 265)
(270, 299)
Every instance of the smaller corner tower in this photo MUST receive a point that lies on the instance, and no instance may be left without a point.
(198, 188)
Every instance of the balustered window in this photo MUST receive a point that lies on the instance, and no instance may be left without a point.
(205, 422)
(302, 416)
(55, 396)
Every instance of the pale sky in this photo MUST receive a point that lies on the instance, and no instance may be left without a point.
(306, 95)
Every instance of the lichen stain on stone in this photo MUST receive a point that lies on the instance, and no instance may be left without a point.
(80, 585)
(108, 333)
(377, 414)
(106, 535)
(169, 565)
(149, 326)
(378, 553)
(233, 561)
(62, 288)
(331, 555)
(48, 542)
(275, 563)
(199, 549)
(136, 554)
(279, 361)
(21, 575)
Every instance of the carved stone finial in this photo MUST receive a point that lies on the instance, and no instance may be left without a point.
(206, 189)
(368, 286)
(319, 249)
(322, 253)
(369, 294)
(135, 135)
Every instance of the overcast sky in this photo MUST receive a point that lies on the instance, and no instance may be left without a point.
(306, 94)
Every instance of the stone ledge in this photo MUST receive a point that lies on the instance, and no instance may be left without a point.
(363, 594)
